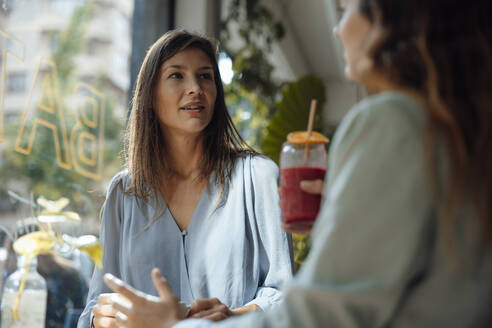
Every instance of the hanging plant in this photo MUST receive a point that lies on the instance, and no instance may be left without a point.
(252, 26)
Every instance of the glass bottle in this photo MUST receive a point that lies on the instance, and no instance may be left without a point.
(31, 306)
(296, 164)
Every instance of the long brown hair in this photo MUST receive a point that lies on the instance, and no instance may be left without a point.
(442, 50)
(144, 142)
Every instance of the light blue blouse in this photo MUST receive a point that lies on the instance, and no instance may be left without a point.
(234, 248)
(377, 258)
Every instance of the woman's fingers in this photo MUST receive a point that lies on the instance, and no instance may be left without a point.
(121, 319)
(105, 298)
(217, 316)
(121, 304)
(210, 308)
(104, 322)
(103, 310)
(136, 309)
(202, 304)
(121, 288)
(219, 308)
(161, 285)
(312, 186)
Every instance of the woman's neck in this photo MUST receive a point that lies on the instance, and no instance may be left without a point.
(184, 154)
(376, 83)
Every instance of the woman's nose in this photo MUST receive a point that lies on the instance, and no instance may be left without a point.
(194, 86)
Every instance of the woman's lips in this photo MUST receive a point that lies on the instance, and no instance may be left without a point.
(193, 108)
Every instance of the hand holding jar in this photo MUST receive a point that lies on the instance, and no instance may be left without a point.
(302, 158)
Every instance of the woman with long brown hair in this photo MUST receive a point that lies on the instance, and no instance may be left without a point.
(404, 237)
(194, 201)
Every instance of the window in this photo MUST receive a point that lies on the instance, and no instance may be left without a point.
(54, 41)
(8, 5)
(65, 7)
(16, 82)
(62, 128)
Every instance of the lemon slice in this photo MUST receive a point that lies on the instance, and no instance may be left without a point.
(300, 137)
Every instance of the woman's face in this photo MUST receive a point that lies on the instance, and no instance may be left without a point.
(185, 93)
(352, 30)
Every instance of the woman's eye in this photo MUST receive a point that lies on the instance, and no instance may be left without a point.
(175, 76)
(206, 76)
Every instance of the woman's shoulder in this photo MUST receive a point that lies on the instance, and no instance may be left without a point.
(259, 164)
(121, 180)
(391, 106)
(386, 113)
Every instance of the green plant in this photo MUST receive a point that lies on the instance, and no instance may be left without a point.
(247, 35)
(256, 30)
(293, 113)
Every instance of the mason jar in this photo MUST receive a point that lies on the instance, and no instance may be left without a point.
(300, 162)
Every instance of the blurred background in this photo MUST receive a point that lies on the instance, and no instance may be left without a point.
(67, 71)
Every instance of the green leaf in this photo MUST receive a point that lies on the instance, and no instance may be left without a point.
(293, 113)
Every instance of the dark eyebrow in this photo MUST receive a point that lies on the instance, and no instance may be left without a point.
(181, 67)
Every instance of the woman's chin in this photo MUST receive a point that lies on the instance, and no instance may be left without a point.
(349, 74)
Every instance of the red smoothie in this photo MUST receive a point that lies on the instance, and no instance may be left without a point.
(297, 205)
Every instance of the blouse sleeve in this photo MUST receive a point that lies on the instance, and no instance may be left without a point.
(274, 245)
(373, 235)
(110, 241)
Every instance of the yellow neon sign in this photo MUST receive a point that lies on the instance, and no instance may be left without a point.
(93, 133)
(83, 151)
(16, 49)
(50, 103)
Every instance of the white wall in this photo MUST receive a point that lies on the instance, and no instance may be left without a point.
(197, 16)
(310, 47)
(340, 97)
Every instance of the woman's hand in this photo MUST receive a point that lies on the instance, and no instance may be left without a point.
(210, 309)
(137, 309)
(103, 312)
(314, 187)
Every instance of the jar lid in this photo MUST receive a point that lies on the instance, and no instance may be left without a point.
(301, 137)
